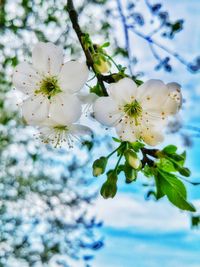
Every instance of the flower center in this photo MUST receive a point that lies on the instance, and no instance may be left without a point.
(60, 128)
(133, 109)
(49, 87)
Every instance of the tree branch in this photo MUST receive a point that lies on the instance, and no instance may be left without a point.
(148, 152)
(73, 15)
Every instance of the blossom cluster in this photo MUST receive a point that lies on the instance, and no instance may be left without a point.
(52, 100)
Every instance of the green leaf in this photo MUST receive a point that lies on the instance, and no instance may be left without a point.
(116, 140)
(179, 159)
(185, 172)
(148, 171)
(97, 90)
(170, 149)
(159, 191)
(174, 189)
(178, 164)
(105, 45)
(137, 146)
(183, 155)
(166, 165)
(138, 82)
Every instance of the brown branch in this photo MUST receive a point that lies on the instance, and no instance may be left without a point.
(146, 152)
(73, 15)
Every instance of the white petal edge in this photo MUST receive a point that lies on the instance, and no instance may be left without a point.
(73, 76)
(35, 109)
(174, 99)
(152, 137)
(106, 111)
(65, 109)
(47, 58)
(123, 91)
(25, 78)
(126, 132)
(152, 93)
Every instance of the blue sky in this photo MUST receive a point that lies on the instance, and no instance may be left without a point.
(150, 234)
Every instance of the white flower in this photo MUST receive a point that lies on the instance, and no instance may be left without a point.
(139, 112)
(50, 85)
(57, 133)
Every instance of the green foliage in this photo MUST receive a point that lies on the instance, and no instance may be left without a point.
(97, 90)
(161, 166)
(169, 185)
(137, 146)
(170, 149)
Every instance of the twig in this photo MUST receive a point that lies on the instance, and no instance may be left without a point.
(126, 32)
(148, 152)
(74, 19)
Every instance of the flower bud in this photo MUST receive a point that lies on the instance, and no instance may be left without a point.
(101, 64)
(132, 159)
(109, 188)
(99, 166)
(130, 173)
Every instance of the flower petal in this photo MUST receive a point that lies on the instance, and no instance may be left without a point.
(78, 129)
(154, 118)
(106, 111)
(47, 58)
(127, 132)
(35, 109)
(65, 109)
(25, 78)
(123, 91)
(159, 100)
(152, 92)
(73, 76)
(174, 99)
(152, 136)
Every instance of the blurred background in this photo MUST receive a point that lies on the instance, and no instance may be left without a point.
(51, 213)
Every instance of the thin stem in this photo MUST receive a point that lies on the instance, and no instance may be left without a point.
(126, 32)
(149, 151)
(73, 15)
(159, 45)
(146, 159)
(114, 151)
(118, 161)
(111, 59)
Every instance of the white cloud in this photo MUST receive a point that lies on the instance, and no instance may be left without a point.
(128, 211)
